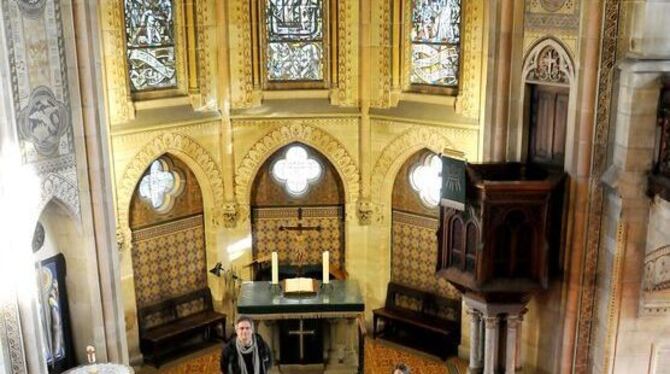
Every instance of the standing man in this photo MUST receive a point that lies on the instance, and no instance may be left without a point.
(246, 352)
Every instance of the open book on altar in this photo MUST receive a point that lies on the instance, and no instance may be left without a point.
(299, 286)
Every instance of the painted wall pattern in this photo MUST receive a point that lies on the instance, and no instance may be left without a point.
(558, 18)
(41, 96)
(414, 257)
(169, 260)
(267, 237)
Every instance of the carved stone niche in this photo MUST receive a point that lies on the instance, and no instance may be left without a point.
(503, 245)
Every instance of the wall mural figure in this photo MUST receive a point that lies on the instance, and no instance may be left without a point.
(55, 314)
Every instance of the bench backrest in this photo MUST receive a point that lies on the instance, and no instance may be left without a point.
(175, 308)
(399, 296)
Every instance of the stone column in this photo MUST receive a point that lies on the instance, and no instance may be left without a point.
(519, 339)
(510, 346)
(490, 344)
(475, 366)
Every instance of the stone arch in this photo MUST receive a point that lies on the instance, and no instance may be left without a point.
(208, 174)
(193, 155)
(322, 141)
(387, 166)
(562, 71)
(396, 153)
(64, 192)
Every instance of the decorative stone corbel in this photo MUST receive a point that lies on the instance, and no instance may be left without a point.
(123, 239)
(229, 214)
(365, 212)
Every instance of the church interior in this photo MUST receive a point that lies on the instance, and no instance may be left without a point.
(482, 185)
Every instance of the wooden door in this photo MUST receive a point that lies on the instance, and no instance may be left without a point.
(548, 122)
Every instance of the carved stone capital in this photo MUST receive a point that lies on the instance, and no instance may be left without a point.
(229, 214)
(365, 212)
(475, 315)
(491, 322)
(124, 239)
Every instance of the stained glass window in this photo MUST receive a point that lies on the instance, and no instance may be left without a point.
(294, 40)
(160, 185)
(296, 171)
(435, 38)
(425, 178)
(150, 44)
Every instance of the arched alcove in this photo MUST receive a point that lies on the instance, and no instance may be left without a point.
(63, 286)
(298, 225)
(166, 219)
(415, 220)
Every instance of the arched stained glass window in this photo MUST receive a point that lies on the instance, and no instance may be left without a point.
(297, 171)
(426, 179)
(150, 44)
(435, 39)
(294, 40)
(160, 186)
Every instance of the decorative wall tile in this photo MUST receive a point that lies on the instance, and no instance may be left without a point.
(414, 254)
(169, 260)
(267, 237)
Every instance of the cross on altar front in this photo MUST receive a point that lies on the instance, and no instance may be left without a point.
(301, 332)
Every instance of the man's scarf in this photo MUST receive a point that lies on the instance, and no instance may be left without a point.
(241, 349)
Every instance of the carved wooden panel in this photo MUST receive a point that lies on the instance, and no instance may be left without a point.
(504, 232)
(548, 122)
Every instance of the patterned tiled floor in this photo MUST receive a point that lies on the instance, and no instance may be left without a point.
(380, 358)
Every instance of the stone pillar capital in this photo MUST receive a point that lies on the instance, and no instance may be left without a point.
(513, 321)
(474, 313)
(491, 322)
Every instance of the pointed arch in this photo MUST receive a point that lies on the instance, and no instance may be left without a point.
(398, 151)
(193, 155)
(561, 70)
(55, 187)
(325, 143)
(547, 63)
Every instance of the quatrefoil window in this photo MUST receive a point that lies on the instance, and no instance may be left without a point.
(426, 179)
(296, 171)
(160, 186)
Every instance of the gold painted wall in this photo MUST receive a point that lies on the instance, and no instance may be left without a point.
(225, 140)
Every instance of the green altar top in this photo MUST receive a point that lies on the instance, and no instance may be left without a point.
(262, 298)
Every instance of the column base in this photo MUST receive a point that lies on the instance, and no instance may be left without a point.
(475, 370)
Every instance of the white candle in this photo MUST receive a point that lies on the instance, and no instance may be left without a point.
(326, 267)
(275, 268)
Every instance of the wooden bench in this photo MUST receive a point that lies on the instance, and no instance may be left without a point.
(165, 325)
(419, 319)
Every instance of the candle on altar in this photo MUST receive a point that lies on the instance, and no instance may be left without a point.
(275, 268)
(326, 267)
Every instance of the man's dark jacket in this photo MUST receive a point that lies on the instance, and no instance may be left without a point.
(229, 358)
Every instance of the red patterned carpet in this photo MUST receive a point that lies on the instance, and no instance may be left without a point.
(380, 358)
